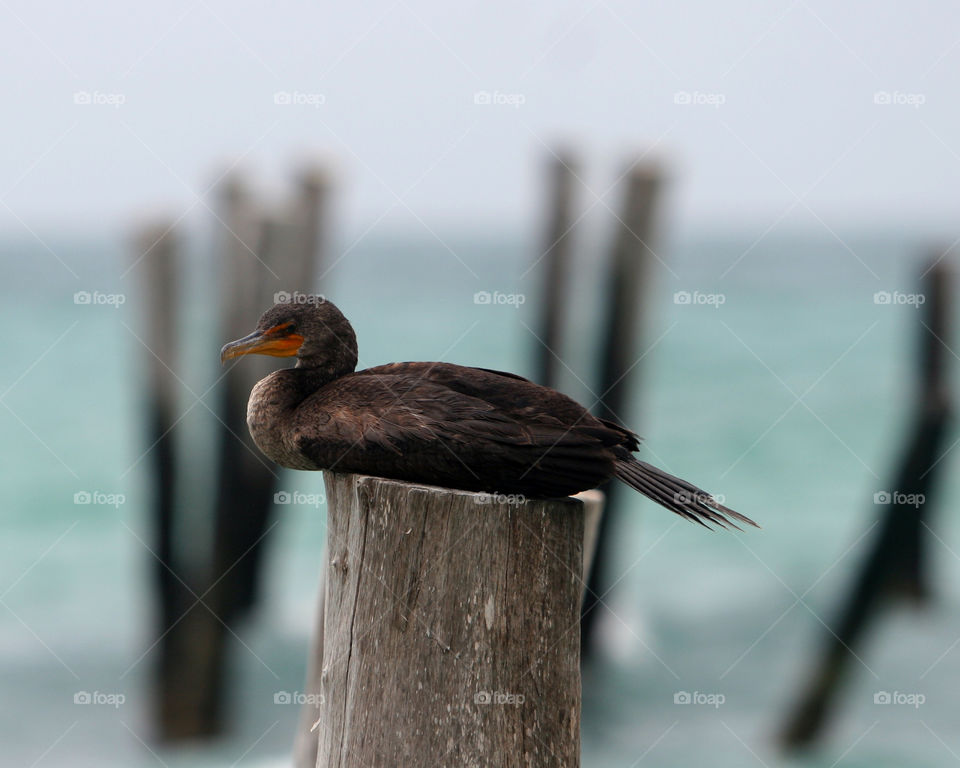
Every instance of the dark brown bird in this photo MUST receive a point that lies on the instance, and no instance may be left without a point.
(437, 423)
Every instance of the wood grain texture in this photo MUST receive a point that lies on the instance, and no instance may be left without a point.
(451, 628)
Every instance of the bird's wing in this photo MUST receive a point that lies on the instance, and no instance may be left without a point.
(410, 427)
(514, 394)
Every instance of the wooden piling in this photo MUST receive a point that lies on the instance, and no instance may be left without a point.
(450, 628)
(157, 250)
(556, 258)
(896, 566)
(158, 253)
(305, 742)
(247, 479)
(288, 248)
(627, 272)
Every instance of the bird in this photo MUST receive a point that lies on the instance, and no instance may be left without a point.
(436, 423)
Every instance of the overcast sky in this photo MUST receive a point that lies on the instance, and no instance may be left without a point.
(786, 119)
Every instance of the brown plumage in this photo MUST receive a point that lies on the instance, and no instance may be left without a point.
(436, 423)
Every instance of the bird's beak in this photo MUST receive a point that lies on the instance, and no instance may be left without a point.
(262, 343)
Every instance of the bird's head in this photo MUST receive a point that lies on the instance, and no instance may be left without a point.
(315, 332)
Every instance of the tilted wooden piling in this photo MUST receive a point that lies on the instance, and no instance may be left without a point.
(895, 566)
(627, 272)
(450, 629)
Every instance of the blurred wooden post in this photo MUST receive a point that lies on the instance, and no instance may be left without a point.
(309, 221)
(556, 257)
(258, 256)
(628, 270)
(157, 249)
(895, 567)
(286, 262)
(450, 628)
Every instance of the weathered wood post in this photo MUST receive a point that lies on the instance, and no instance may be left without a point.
(305, 742)
(451, 628)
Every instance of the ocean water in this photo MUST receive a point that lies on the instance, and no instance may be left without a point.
(782, 385)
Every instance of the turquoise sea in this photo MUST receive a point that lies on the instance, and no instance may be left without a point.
(789, 395)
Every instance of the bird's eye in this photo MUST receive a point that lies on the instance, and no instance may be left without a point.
(281, 329)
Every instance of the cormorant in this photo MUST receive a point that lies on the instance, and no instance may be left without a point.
(437, 423)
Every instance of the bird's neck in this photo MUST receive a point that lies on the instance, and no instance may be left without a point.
(272, 408)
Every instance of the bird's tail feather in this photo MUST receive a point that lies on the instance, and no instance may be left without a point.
(678, 495)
